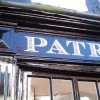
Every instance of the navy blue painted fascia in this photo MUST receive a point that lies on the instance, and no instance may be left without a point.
(18, 42)
(7, 37)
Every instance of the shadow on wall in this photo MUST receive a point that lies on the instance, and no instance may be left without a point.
(2, 85)
(1, 33)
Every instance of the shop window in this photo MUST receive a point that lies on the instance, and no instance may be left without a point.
(49, 89)
(43, 86)
(87, 90)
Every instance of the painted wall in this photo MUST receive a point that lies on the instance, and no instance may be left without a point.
(93, 6)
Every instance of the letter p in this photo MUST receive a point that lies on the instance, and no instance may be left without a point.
(31, 43)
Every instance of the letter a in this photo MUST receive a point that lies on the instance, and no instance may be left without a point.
(57, 47)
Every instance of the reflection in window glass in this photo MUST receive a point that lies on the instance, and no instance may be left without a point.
(62, 89)
(87, 90)
(38, 89)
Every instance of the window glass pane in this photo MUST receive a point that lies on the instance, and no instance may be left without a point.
(38, 89)
(62, 89)
(87, 90)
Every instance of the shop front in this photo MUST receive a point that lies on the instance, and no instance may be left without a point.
(48, 55)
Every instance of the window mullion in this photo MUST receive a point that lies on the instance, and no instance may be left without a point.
(76, 90)
(51, 92)
(98, 91)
